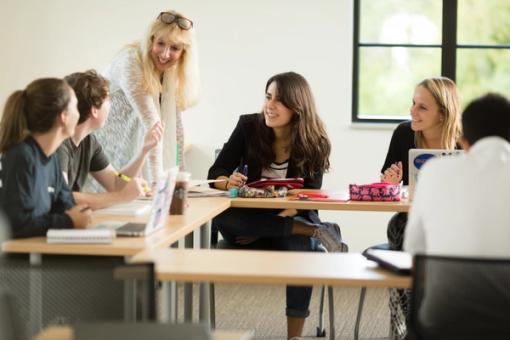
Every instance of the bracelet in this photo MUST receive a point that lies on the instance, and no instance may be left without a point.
(226, 185)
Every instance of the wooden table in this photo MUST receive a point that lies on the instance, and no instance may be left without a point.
(285, 203)
(199, 212)
(66, 333)
(270, 267)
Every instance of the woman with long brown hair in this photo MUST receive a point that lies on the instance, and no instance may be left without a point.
(287, 139)
(33, 192)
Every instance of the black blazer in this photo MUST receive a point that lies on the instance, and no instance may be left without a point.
(234, 154)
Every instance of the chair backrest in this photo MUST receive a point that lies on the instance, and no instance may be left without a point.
(10, 325)
(460, 298)
(62, 289)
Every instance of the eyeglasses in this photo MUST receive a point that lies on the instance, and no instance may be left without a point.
(170, 18)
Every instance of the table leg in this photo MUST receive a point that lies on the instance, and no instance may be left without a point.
(35, 293)
(188, 286)
(204, 305)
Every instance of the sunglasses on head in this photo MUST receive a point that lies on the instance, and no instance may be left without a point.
(170, 18)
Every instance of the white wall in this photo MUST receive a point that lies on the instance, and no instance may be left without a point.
(242, 43)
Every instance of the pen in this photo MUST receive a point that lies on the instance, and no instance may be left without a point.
(126, 178)
(245, 170)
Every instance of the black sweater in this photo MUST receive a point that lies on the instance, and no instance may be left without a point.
(33, 192)
(401, 141)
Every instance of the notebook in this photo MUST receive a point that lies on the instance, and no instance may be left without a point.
(291, 183)
(418, 157)
(159, 209)
(397, 261)
(77, 236)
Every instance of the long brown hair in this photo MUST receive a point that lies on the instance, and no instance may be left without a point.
(34, 109)
(310, 146)
(446, 96)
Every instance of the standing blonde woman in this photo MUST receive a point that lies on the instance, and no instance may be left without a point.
(152, 80)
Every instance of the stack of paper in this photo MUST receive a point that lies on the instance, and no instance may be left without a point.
(80, 236)
(134, 208)
(201, 191)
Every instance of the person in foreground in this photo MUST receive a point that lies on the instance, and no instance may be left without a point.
(33, 191)
(83, 154)
(286, 139)
(152, 80)
(461, 209)
(461, 203)
(434, 124)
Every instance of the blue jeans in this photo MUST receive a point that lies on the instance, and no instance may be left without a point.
(274, 233)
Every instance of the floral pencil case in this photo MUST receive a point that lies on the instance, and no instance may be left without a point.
(379, 191)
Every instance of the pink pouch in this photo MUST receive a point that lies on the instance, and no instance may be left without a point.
(379, 191)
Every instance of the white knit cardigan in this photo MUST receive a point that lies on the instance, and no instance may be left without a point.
(133, 111)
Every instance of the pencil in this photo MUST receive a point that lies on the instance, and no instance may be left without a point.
(126, 178)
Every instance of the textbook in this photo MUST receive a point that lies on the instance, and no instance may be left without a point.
(104, 236)
(134, 208)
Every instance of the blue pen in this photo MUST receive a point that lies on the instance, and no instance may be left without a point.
(245, 170)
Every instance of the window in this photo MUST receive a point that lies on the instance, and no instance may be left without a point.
(398, 43)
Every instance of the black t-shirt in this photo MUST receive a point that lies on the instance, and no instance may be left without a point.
(78, 161)
(402, 140)
(33, 192)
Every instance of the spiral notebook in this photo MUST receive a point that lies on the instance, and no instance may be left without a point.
(80, 236)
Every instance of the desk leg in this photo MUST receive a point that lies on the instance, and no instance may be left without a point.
(35, 293)
(169, 299)
(188, 286)
(130, 300)
(204, 310)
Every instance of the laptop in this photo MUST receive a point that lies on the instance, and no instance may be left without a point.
(162, 198)
(396, 261)
(418, 157)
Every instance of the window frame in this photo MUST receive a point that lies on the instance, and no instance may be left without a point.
(448, 48)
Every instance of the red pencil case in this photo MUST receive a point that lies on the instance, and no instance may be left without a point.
(379, 191)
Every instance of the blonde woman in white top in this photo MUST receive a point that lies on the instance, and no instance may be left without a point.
(152, 80)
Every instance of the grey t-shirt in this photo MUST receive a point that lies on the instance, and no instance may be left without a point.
(78, 161)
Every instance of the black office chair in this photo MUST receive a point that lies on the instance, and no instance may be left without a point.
(460, 298)
(62, 289)
(320, 330)
(10, 322)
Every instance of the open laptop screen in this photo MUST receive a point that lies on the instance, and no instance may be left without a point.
(418, 157)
